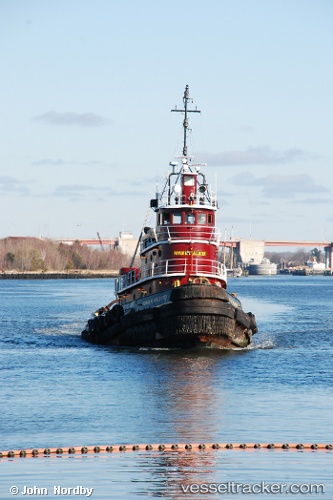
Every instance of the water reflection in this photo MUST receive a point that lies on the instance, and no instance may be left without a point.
(189, 389)
(168, 473)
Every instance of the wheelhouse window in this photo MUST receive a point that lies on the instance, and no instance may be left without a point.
(164, 219)
(190, 219)
(202, 219)
(210, 219)
(189, 180)
(177, 218)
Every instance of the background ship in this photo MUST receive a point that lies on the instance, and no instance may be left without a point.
(266, 268)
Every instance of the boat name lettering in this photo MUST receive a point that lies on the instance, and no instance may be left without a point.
(153, 301)
(196, 253)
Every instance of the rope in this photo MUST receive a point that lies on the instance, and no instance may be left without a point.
(33, 452)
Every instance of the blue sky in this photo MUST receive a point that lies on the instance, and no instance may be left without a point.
(86, 91)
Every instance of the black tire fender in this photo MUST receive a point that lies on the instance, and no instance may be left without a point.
(99, 321)
(91, 326)
(253, 323)
(242, 318)
(117, 312)
(108, 321)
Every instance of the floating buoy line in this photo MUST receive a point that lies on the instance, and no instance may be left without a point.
(83, 450)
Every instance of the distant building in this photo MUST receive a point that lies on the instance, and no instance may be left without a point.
(250, 251)
(126, 243)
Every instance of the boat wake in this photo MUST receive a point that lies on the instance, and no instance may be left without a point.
(265, 344)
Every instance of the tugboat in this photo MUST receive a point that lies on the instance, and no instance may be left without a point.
(177, 297)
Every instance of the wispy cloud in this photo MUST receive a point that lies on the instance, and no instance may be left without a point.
(69, 119)
(261, 155)
(60, 162)
(315, 201)
(243, 179)
(74, 189)
(78, 191)
(12, 185)
(280, 186)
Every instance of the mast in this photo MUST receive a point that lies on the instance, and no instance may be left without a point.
(186, 100)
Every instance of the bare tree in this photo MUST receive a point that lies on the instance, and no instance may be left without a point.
(32, 254)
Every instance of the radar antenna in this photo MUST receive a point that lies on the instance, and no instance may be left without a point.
(186, 100)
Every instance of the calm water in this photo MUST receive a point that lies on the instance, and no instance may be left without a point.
(57, 390)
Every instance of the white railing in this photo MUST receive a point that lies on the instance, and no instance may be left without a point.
(173, 267)
(173, 233)
(200, 199)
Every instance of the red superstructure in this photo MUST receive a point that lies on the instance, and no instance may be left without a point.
(183, 246)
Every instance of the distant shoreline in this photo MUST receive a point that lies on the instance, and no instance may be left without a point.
(40, 275)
